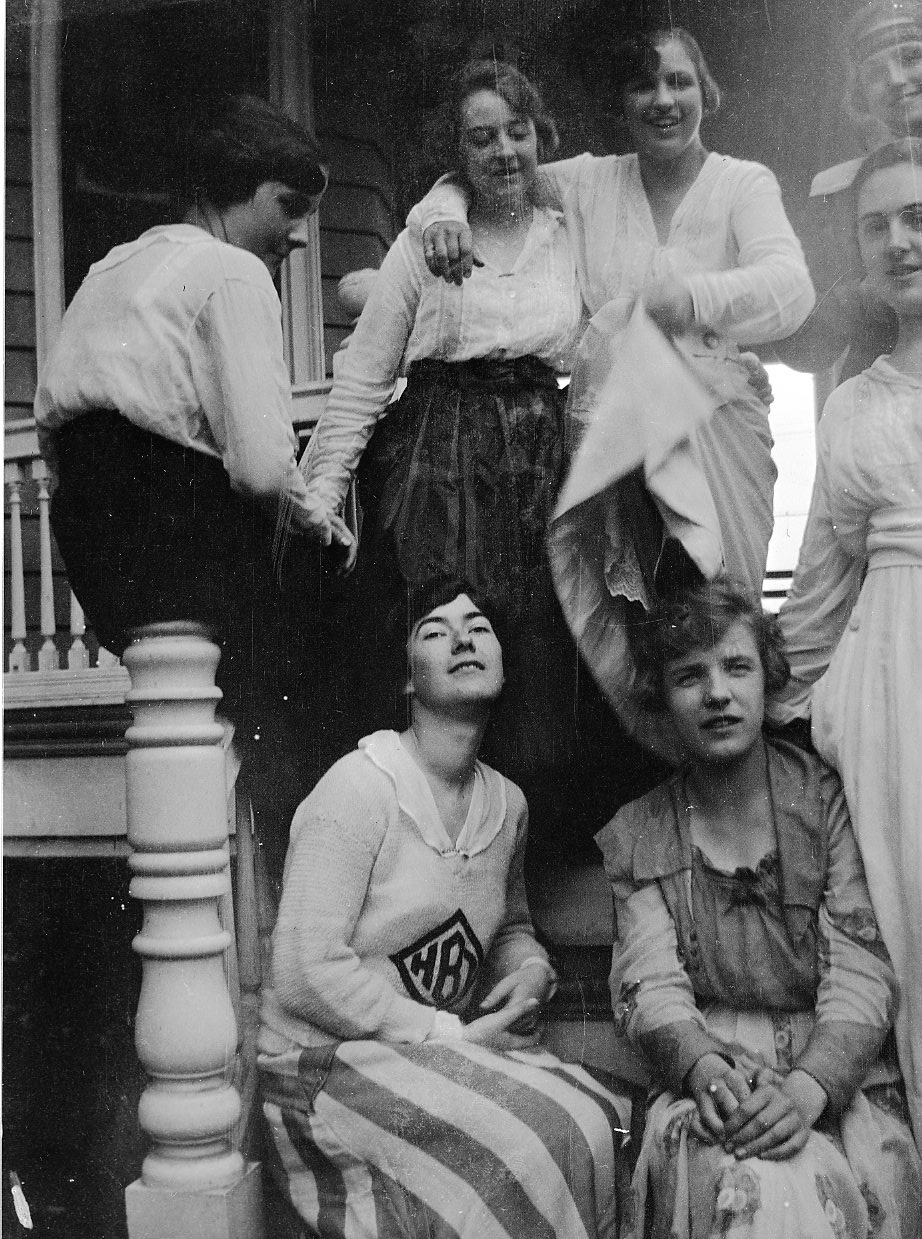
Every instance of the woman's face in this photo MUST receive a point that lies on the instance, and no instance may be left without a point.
(455, 656)
(891, 79)
(716, 697)
(663, 111)
(499, 149)
(890, 235)
(275, 221)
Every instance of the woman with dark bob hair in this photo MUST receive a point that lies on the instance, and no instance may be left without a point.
(702, 243)
(462, 472)
(165, 408)
(748, 966)
(404, 1088)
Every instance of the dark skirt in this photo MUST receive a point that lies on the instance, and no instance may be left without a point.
(460, 479)
(152, 532)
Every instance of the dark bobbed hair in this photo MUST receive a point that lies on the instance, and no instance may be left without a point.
(423, 597)
(235, 143)
(637, 57)
(872, 25)
(522, 97)
(699, 618)
(400, 623)
(892, 154)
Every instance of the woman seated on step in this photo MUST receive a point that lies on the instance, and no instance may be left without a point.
(403, 1085)
(752, 974)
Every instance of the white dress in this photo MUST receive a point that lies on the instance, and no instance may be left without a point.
(853, 627)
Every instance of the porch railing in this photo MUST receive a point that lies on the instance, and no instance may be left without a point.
(40, 639)
(170, 782)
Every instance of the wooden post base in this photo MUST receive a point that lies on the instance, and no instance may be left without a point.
(234, 1212)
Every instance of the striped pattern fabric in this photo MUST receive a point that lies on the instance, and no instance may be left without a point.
(443, 1140)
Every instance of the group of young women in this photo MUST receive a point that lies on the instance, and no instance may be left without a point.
(756, 966)
(749, 966)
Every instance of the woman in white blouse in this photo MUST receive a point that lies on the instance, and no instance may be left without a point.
(702, 239)
(462, 473)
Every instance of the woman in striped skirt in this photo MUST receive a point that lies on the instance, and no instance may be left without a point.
(403, 1085)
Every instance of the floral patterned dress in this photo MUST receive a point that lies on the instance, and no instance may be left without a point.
(780, 966)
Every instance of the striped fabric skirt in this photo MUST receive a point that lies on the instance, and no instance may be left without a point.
(443, 1141)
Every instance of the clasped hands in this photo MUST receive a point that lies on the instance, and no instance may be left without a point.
(763, 1115)
(330, 531)
(512, 1008)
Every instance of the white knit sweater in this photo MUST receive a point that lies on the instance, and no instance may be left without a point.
(383, 920)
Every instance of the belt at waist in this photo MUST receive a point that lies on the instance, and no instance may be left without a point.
(895, 557)
(484, 372)
(895, 538)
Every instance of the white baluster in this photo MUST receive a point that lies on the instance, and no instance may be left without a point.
(19, 655)
(48, 654)
(78, 656)
(193, 1182)
(106, 658)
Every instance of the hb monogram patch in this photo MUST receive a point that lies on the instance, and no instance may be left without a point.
(441, 967)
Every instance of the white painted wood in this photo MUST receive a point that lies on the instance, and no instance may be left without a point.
(20, 440)
(48, 654)
(78, 656)
(19, 660)
(77, 848)
(47, 212)
(307, 403)
(64, 797)
(185, 1030)
(234, 1212)
(95, 686)
(291, 87)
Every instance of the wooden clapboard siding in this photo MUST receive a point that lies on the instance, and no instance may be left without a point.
(19, 286)
(357, 223)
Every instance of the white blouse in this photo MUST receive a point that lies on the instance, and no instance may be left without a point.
(534, 309)
(181, 334)
(866, 510)
(729, 241)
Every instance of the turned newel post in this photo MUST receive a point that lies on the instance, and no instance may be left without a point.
(193, 1182)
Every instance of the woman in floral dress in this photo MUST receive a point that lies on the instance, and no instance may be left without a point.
(749, 968)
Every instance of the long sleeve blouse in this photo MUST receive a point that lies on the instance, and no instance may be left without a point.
(383, 921)
(867, 499)
(729, 241)
(181, 334)
(534, 309)
(821, 950)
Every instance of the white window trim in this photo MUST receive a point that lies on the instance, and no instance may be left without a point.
(291, 88)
